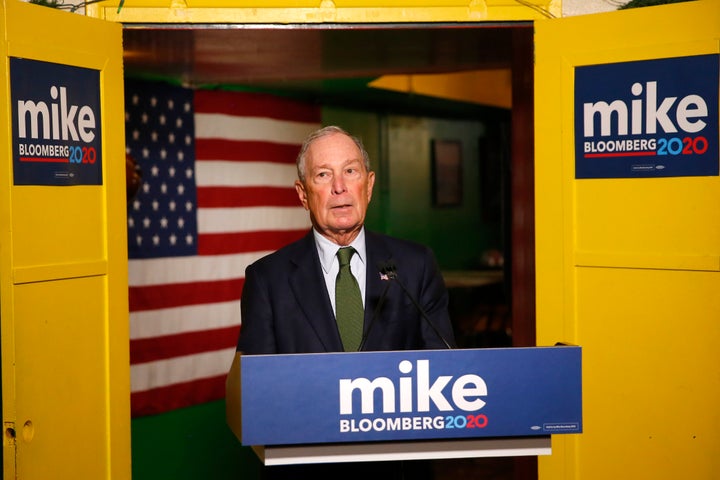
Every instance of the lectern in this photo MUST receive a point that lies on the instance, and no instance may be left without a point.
(404, 405)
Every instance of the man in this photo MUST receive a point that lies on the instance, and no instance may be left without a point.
(288, 301)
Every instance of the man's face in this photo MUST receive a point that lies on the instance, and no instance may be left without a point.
(337, 188)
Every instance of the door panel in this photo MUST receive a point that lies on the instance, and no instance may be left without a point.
(628, 258)
(63, 253)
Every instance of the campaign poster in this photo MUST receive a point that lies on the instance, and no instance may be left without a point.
(56, 124)
(650, 118)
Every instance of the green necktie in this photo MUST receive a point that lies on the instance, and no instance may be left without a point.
(348, 303)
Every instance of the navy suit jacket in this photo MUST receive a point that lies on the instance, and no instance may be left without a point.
(286, 307)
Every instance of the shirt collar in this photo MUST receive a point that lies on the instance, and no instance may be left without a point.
(327, 250)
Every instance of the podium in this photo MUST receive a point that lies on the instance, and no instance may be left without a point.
(404, 405)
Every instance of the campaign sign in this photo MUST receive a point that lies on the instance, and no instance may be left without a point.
(56, 124)
(651, 118)
(410, 395)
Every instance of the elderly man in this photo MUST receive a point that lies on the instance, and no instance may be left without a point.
(289, 298)
(343, 288)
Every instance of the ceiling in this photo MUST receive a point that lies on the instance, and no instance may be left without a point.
(311, 59)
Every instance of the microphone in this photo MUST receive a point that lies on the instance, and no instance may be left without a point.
(389, 271)
(378, 306)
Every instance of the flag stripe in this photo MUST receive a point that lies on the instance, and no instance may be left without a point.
(223, 243)
(232, 197)
(256, 105)
(246, 151)
(245, 174)
(162, 271)
(218, 220)
(178, 294)
(147, 375)
(177, 395)
(184, 319)
(170, 346)
(215, 125)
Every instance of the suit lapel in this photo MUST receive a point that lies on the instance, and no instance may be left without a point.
(308, 286)
(377, 253)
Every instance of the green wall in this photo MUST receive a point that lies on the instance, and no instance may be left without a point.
(402, 205)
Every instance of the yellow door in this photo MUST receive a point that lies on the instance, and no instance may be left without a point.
(63, 265)
(628, 235)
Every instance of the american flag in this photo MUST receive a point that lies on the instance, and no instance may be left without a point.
(217, 193)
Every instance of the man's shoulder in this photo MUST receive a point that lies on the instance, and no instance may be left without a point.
(395, 245)
(288, 252)
(397, 242)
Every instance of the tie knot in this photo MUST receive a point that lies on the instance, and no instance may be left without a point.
(344, 254)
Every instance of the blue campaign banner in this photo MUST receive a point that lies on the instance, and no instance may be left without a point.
(56, 124)
(650, 118)
(410, 395)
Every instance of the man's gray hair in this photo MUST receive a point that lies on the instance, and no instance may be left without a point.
(323, 132)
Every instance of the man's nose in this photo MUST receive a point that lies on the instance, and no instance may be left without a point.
(338, 184)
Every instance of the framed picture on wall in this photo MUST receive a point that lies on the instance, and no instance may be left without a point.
(446, 172)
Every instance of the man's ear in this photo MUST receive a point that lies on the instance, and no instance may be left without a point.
(302, 194)
(371, 183)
